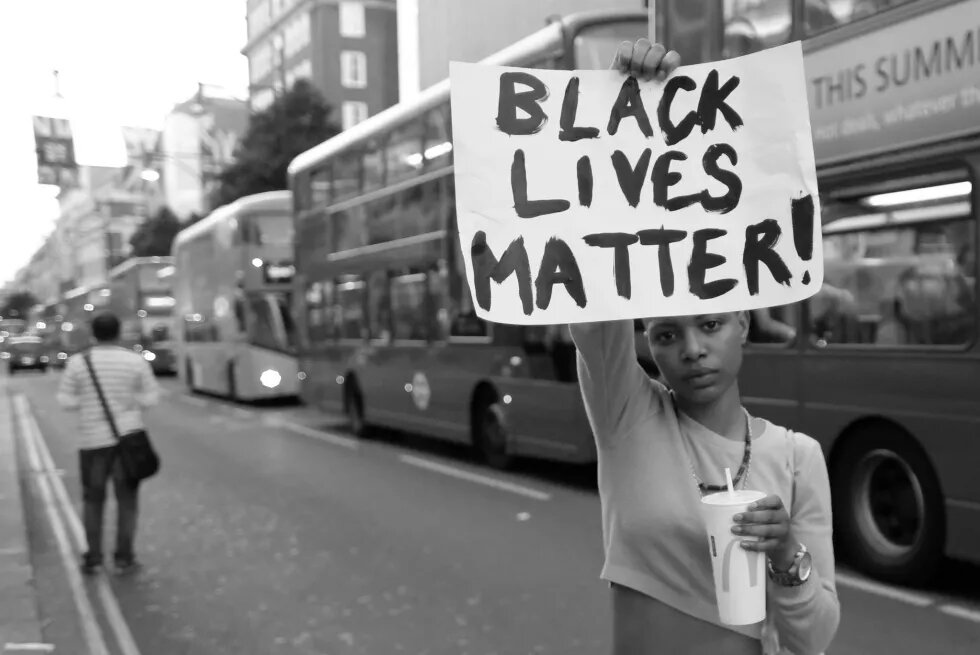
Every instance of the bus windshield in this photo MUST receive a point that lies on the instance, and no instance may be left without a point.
(268, 230)
(595, 46)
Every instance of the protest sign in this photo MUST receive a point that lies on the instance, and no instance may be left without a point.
(591, 195)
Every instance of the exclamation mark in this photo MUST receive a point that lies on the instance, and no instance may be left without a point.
(802, 212)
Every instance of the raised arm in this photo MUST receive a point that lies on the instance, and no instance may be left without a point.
(806, 617)
(617, 391)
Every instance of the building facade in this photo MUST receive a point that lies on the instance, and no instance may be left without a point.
(431, 33)
(198, 140)
(347, 49)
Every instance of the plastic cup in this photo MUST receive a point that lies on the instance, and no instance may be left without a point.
(740, 575)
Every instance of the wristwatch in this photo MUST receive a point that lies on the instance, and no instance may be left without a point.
(798, 572)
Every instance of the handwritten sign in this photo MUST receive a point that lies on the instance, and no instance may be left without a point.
(591, 195)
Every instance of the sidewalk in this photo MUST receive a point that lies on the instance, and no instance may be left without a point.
(19, 620)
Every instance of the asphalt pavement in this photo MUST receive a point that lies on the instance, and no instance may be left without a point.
(270, 530)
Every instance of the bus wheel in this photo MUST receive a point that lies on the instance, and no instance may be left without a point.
(189, 374)
(889, 507)
(354, 408)
(490, 433)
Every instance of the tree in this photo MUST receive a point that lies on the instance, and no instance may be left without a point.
(18, 305)
(294, 123)
(155, 235)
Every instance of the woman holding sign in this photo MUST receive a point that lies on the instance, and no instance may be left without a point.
(662, 460)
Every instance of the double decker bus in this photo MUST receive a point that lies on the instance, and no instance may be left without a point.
(882, 363)
(73, 331)
(142, 298)
(234, 270)
(388, 330)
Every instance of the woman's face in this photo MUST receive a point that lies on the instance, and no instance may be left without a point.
(699, 356)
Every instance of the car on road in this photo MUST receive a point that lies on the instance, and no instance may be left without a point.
(26, 352)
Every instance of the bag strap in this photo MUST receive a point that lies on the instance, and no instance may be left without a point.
(98, 389)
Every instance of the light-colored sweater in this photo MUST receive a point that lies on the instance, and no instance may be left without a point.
(128, 384)
(655, 542)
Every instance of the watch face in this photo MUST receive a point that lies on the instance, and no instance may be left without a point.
(805, 566)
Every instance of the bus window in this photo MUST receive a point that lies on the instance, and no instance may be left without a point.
(596, 46)
(438, 138)
(404, 151)
(773, 324)
(409, 306)
(822, 15)
(900, 268)
(321, 325)
(753, 25)
(350, 308)
(267, 230)
(349, 228)
(439, 299)
(320, 185)
(272, 325)
(379, 313)
(346, 176)
(463, 321)
(373, 166)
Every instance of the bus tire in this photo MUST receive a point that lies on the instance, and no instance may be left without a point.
(354, 408)
(490, 434)
(888, 506)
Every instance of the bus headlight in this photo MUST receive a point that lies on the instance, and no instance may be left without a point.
(270, 379)
(149, 355)
(62, 355)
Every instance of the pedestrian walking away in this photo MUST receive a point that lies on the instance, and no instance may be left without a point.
(661, 449)
(128, 386)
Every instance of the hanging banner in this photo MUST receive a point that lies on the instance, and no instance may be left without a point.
(589, 195)
(55, 152)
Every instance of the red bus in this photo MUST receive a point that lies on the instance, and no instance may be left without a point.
(388, 331)
(883, 365)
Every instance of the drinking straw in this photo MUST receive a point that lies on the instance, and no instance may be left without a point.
(728, 478)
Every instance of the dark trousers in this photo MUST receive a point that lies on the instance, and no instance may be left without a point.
(98, 465)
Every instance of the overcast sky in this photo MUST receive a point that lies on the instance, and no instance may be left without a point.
(121, 62)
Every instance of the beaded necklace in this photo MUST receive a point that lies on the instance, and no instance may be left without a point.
(743, 469)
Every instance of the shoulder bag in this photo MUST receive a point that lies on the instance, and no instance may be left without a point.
(136, 454)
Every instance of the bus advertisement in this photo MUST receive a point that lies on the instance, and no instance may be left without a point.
(234, 332)
(388, 330)
(142, 298)
(881, 365)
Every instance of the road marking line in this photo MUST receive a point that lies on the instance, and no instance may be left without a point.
(322, 435)
(881, 589)
(113, 613)
(28, 648)
(91, 631)
(961, 612)
(199, 402)
(488, 481)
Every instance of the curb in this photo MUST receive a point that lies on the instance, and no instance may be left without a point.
(20, 623)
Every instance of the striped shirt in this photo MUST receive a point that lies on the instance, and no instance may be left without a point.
(128, 384)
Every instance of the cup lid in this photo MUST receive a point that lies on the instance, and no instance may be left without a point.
(740, 497)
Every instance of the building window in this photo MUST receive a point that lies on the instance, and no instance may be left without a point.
(353, 69)
(352, 19)
(353, 113)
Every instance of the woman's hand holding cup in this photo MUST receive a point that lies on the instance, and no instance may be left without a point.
(768, 521)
